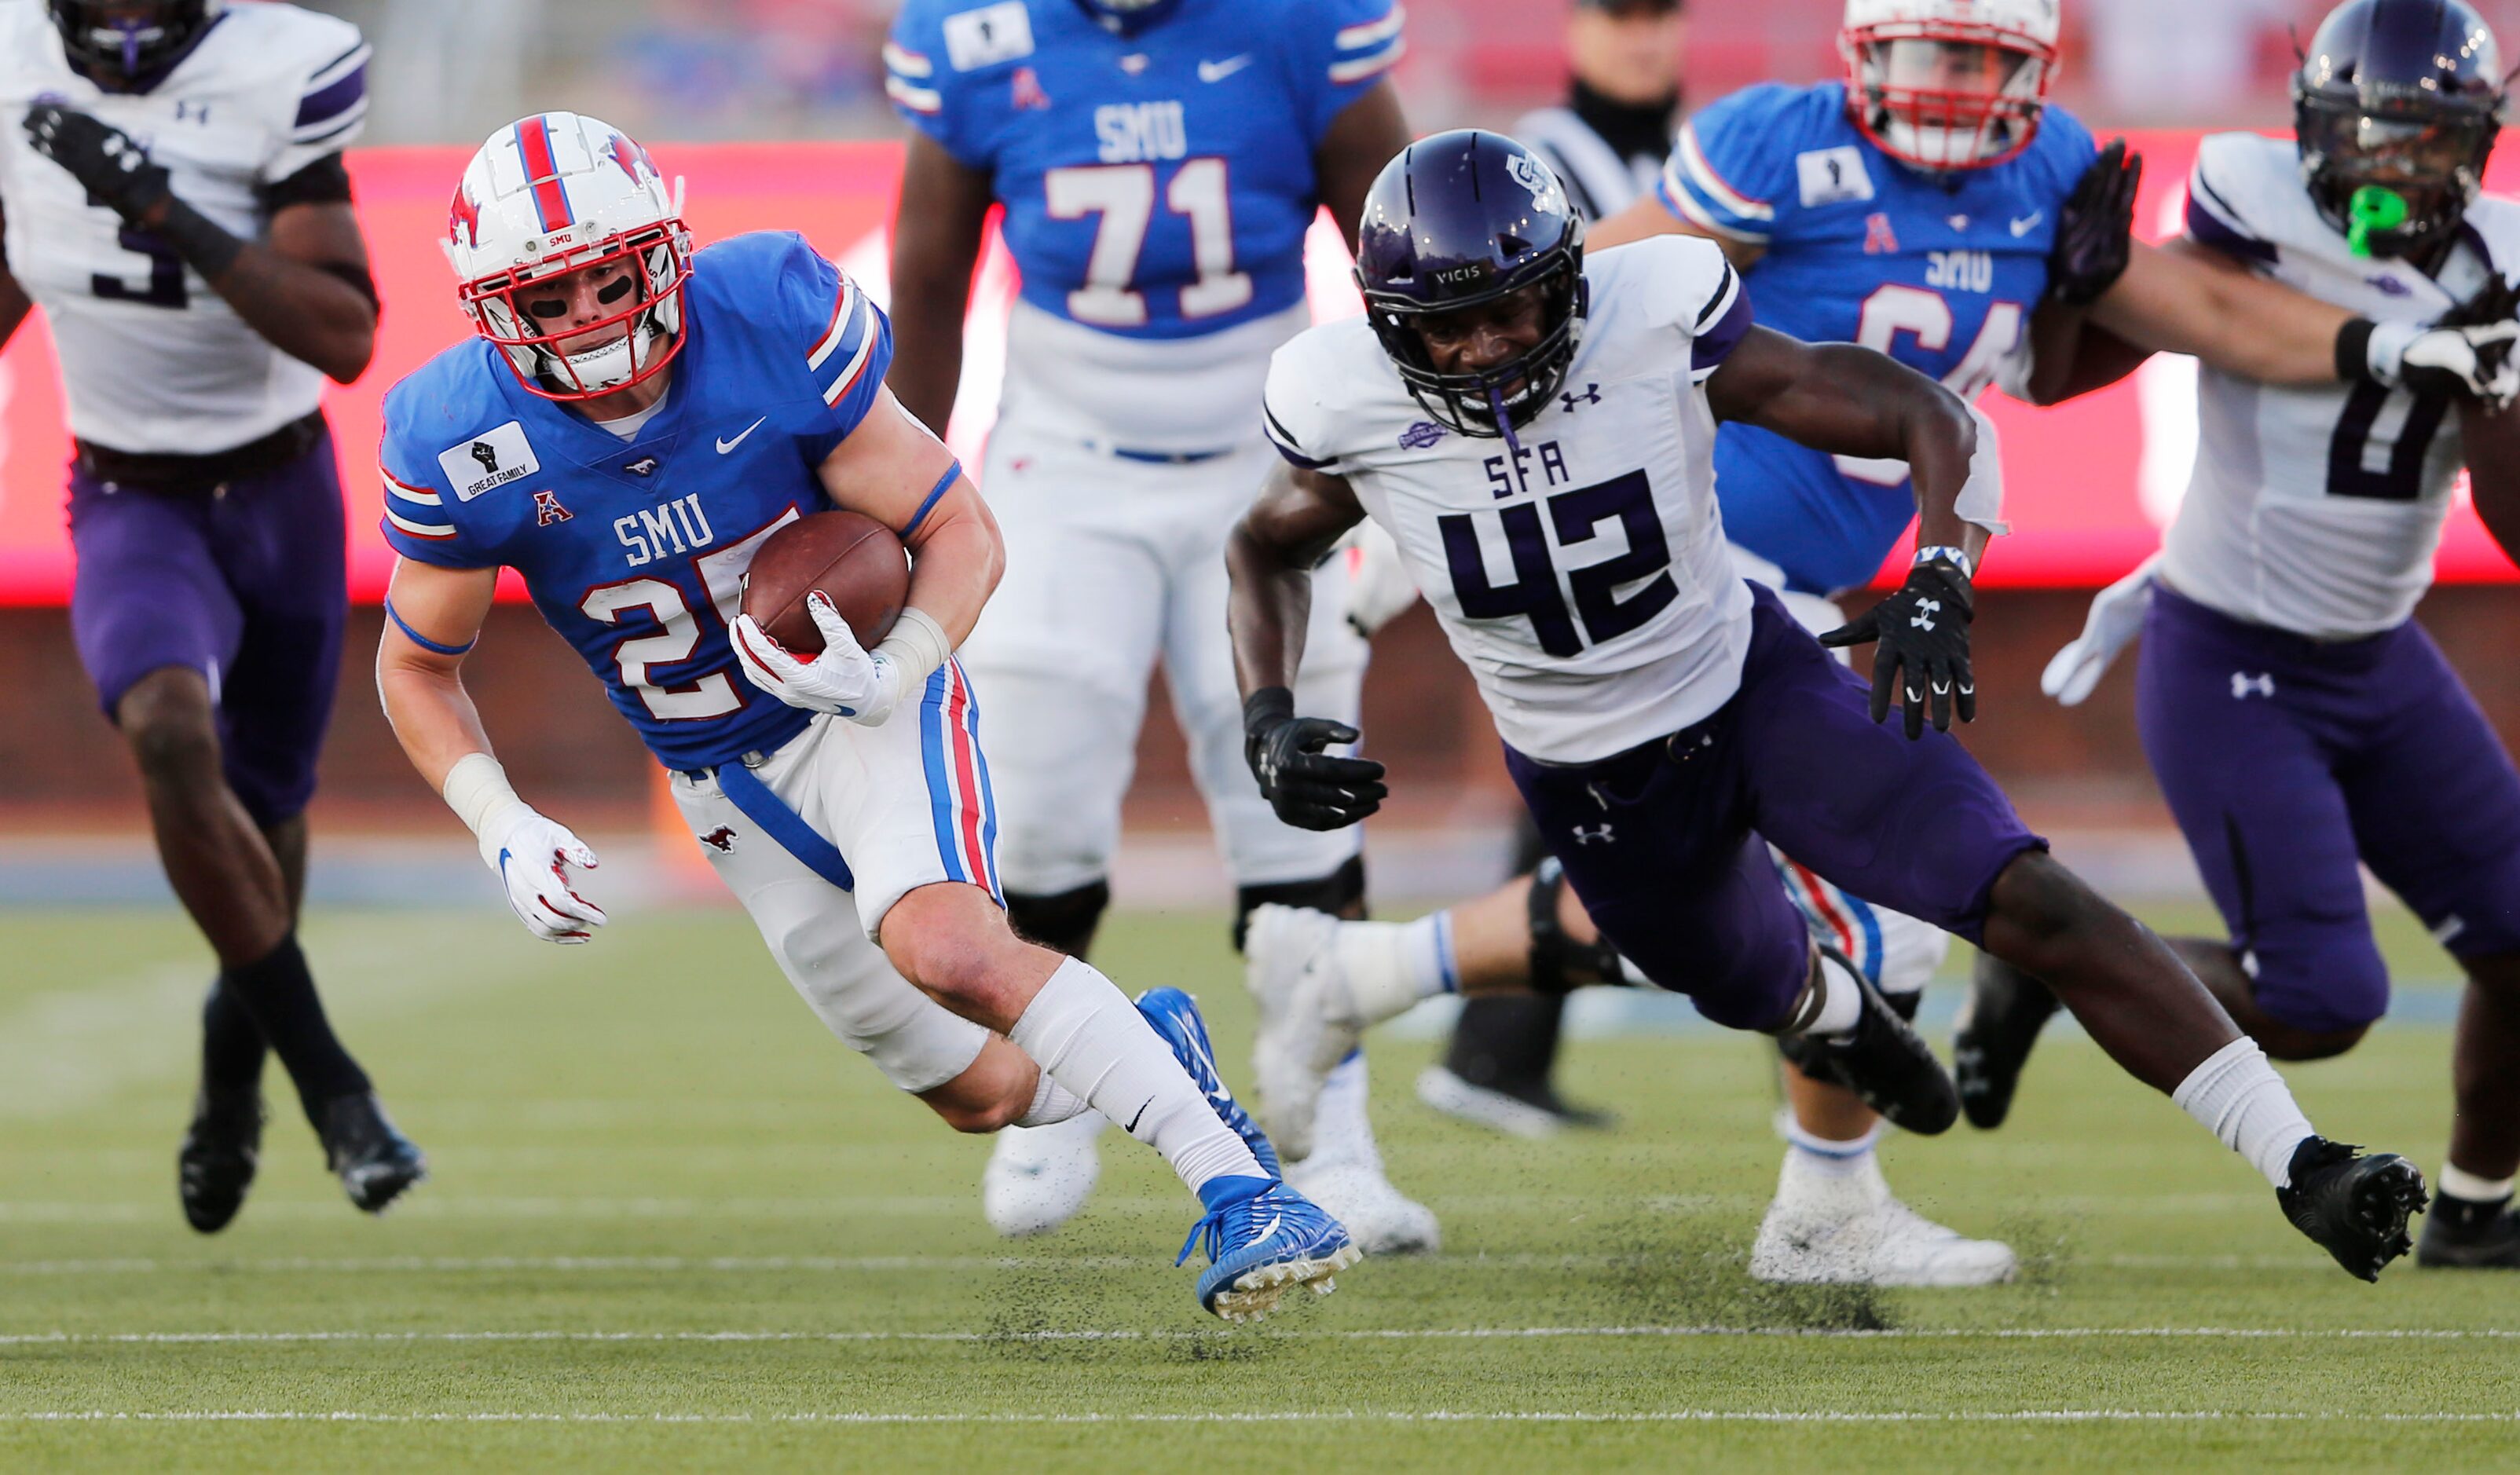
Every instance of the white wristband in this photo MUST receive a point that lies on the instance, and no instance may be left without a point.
(476, 787)
(917, 645)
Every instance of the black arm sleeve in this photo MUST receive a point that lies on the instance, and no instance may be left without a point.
(324, 182)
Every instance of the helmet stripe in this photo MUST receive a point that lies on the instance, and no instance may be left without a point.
(542, 171)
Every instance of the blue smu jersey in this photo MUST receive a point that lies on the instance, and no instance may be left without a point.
(635, 550)
(1157, 185)
(1938, 271)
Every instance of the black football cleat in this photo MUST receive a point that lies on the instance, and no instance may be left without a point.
(2354, 1207)
(1886, 1063)
(2470, 1236)
(217, 1163)
(2006, 1010)
(374, 1162)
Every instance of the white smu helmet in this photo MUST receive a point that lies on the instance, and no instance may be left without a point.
(558, 193)
(1949, 84)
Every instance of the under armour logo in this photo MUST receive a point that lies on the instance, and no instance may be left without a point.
(2243, 685)
(720, 839)
(1586, 834)
(1592, 395)
(548, 510)
(1926, 609)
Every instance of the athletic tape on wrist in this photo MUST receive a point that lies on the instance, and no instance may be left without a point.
(918, 645)
(476, 788)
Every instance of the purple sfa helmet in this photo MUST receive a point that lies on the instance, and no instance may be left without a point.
(130, 38)
(2396, 108)
(1460, 219)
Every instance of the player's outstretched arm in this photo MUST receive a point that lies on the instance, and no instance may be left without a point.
(433, 617)
(1268, 560)
(2188, 297)
(936, 234)
(1852, 401)
(1366, 134)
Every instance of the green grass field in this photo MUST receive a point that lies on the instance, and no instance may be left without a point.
(674, 1225)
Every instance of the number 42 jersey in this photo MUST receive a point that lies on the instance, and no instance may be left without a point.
(1579, 569)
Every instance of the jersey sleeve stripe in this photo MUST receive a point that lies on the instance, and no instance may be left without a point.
(1676, 198)
(1712, 345)
(915, 99)
(1701, 174)
(332, 99)
(356, 56)
(1367, 33)
(1720, 303)
(907, 62)
(2213, 222)
(1346, 73)
(843, 317)
(857, 367)
(418, 529)
(414, 494)
(1285, 441)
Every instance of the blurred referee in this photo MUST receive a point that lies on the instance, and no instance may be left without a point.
(1607, 142)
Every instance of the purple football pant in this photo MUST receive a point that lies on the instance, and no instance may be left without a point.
(1666, 843)
(2286, 760)
(247, 584)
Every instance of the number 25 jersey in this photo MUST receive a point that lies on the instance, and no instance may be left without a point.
(151, 359)
(1158, 188)
(1579, 570)
(2317, 509)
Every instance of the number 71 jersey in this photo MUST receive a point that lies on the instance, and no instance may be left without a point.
(1580, 568)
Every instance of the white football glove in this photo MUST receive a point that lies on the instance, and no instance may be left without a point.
(2116, 618)
(2475, 360)
(532, 855)
(844, 680)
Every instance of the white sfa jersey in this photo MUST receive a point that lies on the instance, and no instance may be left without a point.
(151, 359)
(1580, 571)
(2317, 510)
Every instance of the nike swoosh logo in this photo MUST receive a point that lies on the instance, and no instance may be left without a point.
(1132, 1127)
(1263, 1236)
(1218, 71)
(725, 446)
(2028, 223)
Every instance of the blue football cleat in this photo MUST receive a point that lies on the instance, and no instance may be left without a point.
(1261, 1239)
(1175, 1016)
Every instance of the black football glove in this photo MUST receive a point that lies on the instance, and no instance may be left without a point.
(2095, 229)
(1308, 788)
(1922, 632)
(105, 158)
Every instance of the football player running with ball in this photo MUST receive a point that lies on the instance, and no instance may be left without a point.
(171, 173)
(630, 424)
(1663, 718)
(2301, 723)
(1160, 163)
(1920, 208)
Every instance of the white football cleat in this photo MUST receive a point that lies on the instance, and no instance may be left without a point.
(1039, 1178)
(1852, 1231)
(1345, 1174)
(1291, 966)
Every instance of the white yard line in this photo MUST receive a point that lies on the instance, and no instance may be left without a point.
(1390, 1334)
(1288, 1416)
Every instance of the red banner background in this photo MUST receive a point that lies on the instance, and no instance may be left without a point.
(2089, 484)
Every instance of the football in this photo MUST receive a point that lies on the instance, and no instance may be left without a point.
(852, 560)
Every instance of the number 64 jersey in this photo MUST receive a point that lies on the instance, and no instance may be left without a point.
(151, 359)
(2317, 510)
(1579, 569)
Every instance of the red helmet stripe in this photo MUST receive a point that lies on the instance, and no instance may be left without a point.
(542, 171)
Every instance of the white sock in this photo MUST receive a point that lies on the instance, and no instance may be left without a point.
(2459, 1185)
(1051, 1103)
(1390, 966)
(1842, 1002)
(2239, 1098)
(1343, 1131)
(1823, 1157)
(1083, 1030)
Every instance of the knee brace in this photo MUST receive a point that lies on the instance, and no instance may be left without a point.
(1341, 893)
(1559, 964)
(1064, 921)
